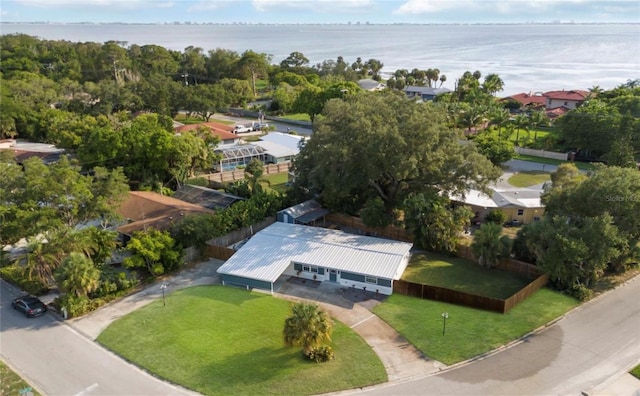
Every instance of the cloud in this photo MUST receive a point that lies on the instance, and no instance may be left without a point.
(335, 6)
(432, 6)
(122, 4)
(208, 5)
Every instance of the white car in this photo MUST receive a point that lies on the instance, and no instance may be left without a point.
(241, 129)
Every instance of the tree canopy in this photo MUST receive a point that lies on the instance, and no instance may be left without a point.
(385, 146)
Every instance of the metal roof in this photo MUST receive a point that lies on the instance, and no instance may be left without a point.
(269, 252)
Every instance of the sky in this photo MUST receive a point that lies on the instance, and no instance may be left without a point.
(321, 11)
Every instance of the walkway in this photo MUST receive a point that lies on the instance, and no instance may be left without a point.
(401, 360)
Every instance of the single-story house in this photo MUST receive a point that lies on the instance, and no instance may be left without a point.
(224, 132)
(520, 205)
(424, 93)
(23, 150)
(272, 148)
(206, 197)
(303, 213)
(146, 209)
(283, 250)
(369, 84)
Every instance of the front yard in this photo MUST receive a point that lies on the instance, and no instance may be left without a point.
(469, 332)
(220, 340)
(12, 384)
(528, 178)
(463, 275)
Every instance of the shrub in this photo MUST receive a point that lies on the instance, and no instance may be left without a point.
(15, 275)
(496, 216)
(581, 292)
(75, 306)
(321, 354)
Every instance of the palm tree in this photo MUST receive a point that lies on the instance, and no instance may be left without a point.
(537, 118)
(443, 78)
(307, 326)
(499, 117)
(486, 244)
(492, 84)
(40, 260)
(521, 122)
(77, 275)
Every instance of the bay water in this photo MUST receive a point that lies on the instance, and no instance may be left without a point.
(528, 57)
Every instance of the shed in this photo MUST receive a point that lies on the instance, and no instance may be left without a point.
(283, 250)
(303, 213)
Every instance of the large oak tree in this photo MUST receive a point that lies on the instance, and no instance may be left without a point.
(383, 145)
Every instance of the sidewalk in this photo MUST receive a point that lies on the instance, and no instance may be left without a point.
(201, 274)
(401, 360)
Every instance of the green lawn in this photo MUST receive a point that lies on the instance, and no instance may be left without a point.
(636, 371)
(221, 340)
(540, 135)
(460, 274)
(528, 178)
(469, 332)
(550, 161)
(198, 120)
(11, 384)
(297, 117)
(275, 182)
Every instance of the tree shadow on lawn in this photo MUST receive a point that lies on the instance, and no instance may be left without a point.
(224, 294)
(256, 372)
(481, 281)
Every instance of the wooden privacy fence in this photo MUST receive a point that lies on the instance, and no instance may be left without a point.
(239, 174)
(219, 247)
(469, 300)
(529, 271)
(218, 252)
(390, 232)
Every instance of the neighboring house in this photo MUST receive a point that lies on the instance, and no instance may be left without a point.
(283, 250)
(206, 197)
(280, 147)
(227, 138)
(557, 112)
(272, 148)
(568, 99)
(23, 150)
(369, 84)
(303, 213)
(551, 100)
(535, 100)
(424, 93)
(232, 157)
(146, 209)
(520, 205)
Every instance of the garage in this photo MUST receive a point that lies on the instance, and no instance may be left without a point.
(325, 255)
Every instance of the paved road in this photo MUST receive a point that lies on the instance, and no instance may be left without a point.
(57, 360)
(593, 345)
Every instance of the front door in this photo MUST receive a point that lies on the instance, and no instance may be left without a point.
(333, 276)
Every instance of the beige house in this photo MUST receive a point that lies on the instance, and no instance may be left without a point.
(521, 206)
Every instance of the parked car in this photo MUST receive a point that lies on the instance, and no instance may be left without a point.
(260, 126)
(241, 129)
(29, 305)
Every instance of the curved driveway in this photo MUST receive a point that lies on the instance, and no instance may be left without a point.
(592, 345)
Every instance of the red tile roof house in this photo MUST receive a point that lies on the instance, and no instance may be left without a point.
(529, 99)
(568, 99)
(227, 138)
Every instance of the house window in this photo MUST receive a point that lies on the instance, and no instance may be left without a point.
(310, 268)
(371, 279)
(314, 269)
(566, 103)
(305, 268)
(520, 212)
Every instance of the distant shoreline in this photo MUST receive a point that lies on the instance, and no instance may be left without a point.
(319, 24)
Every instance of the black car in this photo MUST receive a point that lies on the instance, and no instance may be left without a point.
(29, 305)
